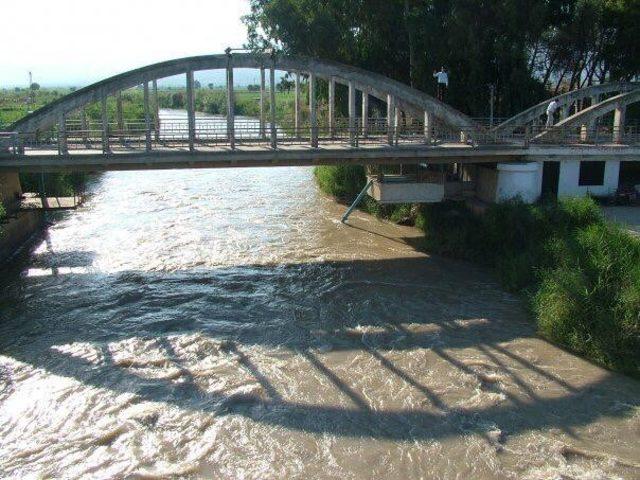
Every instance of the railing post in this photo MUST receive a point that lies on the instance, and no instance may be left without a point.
(332, 107)
(618, 123)
(147, 118)
(191, 114)
(527, 135)
(62, 134)
(365, 113)
(263, 130)
(390, 118)
(272, 104)
(119, 115)
(313, 114)
(427, 128)
(352, 113)
(106, 148)
(156, 108)
(84, 127)
(231, 115)
(296, 108)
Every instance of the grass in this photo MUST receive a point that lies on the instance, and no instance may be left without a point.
(579, 274)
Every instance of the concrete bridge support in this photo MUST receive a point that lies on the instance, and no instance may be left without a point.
(231, 115)
(365, 113)
(427, 128)
(296, 108)
(147, 117)
(156, 109)
(332, 107)
(352, 114)
(518, 180)
(263, 129)
(390, 119)
(106, 148)
(62, 134)
(272, 107)
(619, 116)
(191, 113)
(120, 115)
(313, 114)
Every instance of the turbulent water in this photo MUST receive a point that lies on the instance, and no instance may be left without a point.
(225, 324)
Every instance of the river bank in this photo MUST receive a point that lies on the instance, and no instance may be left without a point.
(576, 272)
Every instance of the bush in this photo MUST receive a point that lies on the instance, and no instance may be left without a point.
(341, 181)
(581, 274)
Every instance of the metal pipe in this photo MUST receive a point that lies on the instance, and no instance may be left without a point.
(332, 107)
(390, 118)
(352, 113)
(263, 132)
(297, 105)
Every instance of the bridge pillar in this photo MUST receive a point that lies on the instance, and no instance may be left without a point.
(62, 134)
(119, 115)
(313, 114)
(106, 148)
(427, 128)
(619, 116)
(518, 180)
(332, 107)
(390, 119)
(365, 113)
(147, 118)
(352, 113)
(397, 125)
(296, 107)
(231, 115)
(263, 130)
(191, 114)
(156, 109)
(272, 105)
(84, 127)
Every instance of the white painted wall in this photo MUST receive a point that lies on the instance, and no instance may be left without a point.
(568, 185)
(518, 180)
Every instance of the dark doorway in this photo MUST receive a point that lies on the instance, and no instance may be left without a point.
(550, 179)
(629, 174)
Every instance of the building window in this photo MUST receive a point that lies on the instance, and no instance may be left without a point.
(591, 174)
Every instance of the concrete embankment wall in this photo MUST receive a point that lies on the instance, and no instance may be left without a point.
(18, 231)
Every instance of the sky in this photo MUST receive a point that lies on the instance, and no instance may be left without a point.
(75, 43)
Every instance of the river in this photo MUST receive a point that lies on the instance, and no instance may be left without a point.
(225, 324)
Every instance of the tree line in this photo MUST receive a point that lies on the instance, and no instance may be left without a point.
(526, 49)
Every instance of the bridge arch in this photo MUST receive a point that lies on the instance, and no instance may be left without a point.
(376, 85)
(588, 116)
(566, 101)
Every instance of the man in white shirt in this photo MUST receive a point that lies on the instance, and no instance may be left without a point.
(443, 83)
(551, 110)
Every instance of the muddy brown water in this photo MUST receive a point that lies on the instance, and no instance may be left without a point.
(225, 324)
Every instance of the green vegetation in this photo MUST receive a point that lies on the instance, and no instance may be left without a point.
(525, 49)
(55, 184)
(580, 274)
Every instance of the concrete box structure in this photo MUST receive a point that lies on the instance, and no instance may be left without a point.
(407, 192)
(518, 180)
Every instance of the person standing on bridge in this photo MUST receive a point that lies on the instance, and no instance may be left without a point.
(551, 110)
(443, 83)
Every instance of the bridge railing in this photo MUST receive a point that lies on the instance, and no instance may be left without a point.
(211, 133)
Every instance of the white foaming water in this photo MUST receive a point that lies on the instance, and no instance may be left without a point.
(223, 324)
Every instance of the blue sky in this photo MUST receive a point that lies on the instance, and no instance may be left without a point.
(74, 43)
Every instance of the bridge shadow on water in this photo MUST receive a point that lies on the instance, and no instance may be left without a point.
(325, 315)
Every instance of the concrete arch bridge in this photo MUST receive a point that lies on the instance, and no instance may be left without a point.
(410, 127)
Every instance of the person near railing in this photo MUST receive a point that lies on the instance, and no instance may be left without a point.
(443, 83)
(551, 110)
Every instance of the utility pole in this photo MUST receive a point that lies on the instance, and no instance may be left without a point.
(492, 99)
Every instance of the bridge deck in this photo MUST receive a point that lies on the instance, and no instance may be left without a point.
(256, 155)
